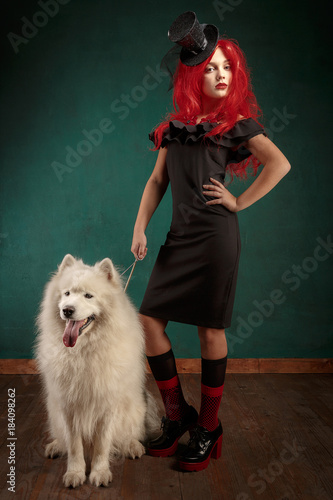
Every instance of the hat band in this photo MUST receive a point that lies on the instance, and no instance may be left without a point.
(201, 47)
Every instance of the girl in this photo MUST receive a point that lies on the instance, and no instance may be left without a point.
(213, 130)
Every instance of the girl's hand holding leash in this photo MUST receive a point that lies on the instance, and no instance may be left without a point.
(223, 196)
(139, 245)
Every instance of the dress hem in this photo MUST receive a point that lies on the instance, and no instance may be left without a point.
(185, 321)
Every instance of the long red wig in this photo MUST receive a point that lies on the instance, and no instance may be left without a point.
(240, 102)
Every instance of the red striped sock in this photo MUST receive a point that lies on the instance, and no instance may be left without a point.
(210, 403)
(173, 398)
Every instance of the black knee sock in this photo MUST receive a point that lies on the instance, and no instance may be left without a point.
(163, 367)
(213, 371)
(164, 371)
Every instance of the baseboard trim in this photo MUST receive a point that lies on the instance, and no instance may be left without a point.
(240, 365)
(264, 365)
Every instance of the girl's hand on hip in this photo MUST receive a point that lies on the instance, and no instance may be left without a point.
(139, 245)
(222, 195)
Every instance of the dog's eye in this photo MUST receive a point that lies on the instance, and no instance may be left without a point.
(67, 293)
(88, 295)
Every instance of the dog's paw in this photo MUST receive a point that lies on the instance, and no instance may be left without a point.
(52, 450)
(74, 478)
(100, 477)
(136, 449)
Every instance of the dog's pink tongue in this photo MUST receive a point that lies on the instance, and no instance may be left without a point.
(71, 332)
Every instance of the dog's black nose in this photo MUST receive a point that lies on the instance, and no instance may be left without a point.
(68, 311)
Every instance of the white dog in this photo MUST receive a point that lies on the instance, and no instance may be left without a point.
(90, 352)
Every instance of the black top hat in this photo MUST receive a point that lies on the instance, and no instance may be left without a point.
(198, 41)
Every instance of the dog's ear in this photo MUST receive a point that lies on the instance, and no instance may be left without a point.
(107, 267)
(67, 261)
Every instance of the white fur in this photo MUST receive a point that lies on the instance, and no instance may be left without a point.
(95, 391)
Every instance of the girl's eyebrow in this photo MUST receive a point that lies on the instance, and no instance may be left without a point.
(214, 64)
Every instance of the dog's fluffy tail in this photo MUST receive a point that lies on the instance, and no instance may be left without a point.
(152, 421)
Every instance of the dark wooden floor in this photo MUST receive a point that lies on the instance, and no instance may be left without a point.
(278, 445)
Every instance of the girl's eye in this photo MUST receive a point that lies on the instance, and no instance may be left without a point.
(67, 293)
(88, 296)
(227, 68)
(209, 70)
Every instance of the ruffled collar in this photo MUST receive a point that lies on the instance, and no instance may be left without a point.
(187, 132)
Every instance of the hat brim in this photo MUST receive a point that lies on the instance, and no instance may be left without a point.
(190, 59)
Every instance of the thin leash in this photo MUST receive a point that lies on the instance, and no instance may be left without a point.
(130, 276)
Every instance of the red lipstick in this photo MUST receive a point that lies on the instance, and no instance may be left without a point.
(221, 86)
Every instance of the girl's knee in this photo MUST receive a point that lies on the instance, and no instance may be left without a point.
(156, 339)
(210, 335)
(150, 322)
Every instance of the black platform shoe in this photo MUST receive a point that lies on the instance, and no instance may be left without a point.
(202, 446)
(166, 444)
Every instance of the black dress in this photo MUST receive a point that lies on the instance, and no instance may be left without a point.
(194, 277)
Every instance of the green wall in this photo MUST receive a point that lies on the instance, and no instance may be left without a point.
(69, 76)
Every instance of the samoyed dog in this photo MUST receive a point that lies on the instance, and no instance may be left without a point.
(90, 353)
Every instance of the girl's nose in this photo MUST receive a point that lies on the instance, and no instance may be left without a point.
(219, 75)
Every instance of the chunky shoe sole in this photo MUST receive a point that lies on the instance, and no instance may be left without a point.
(168, 452)
(198, 466)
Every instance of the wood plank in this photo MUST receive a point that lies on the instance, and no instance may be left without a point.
(150, 477)
(295, 365)
(262, 415)
(247, 439)
(26, 396)
(27, 416)
(313, 432)
(267, 433)
(18, 366)
(285, 428)
(246, 365)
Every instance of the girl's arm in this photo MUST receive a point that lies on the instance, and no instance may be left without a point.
(276, 166)
(152, 195)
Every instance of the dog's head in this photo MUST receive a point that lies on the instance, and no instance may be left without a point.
(85, 292)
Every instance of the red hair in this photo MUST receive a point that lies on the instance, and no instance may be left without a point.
(240, 100)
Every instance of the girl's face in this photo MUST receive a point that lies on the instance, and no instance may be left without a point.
(217, 76)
